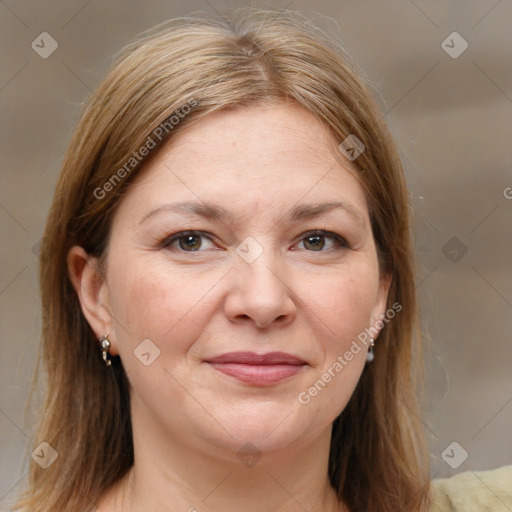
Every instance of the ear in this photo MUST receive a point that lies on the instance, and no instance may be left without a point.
(379, 310)
(91, 289)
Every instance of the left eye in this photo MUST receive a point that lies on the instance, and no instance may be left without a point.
(316, 241)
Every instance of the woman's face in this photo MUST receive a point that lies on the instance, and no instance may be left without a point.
(228, 301)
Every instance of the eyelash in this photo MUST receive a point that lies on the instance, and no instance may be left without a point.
(342, 243)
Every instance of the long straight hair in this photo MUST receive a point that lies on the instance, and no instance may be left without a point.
(378, 456)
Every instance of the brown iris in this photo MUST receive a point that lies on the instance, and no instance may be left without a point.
(190, 242)
(316, 242)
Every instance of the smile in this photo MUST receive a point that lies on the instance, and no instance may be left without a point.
(258, 369)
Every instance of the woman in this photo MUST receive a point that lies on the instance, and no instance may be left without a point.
(231, 223)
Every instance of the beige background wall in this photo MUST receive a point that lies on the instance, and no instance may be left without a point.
(452, 118)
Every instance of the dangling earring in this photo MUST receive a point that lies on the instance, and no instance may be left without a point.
(370, 355)
(105, 345)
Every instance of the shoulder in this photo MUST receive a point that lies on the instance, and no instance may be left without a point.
(473, 491)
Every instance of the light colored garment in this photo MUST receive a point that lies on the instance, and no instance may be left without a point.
(474, 491)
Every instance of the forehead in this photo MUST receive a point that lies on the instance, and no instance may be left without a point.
(270, 155)
(263, 134)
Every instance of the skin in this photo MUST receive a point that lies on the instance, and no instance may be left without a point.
(189, 420)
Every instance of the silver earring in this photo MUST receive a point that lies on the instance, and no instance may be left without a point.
(370, 355)
(105, 345)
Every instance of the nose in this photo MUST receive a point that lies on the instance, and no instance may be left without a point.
(260, 292)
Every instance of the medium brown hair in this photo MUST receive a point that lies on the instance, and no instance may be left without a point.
(378, 458)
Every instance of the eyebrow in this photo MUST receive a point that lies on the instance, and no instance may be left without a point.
(214, 212)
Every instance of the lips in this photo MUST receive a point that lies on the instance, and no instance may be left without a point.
(271, 358)
(258, 369)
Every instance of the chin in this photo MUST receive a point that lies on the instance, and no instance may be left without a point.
(266, 428)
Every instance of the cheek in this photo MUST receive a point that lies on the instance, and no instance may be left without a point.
(341, 310)
(165, 306)
(342, 304)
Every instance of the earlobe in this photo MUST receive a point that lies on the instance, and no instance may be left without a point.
(90, 288)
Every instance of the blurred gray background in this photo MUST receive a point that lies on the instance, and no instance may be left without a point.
(450, 110)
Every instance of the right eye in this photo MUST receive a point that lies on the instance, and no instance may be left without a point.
(186, 241)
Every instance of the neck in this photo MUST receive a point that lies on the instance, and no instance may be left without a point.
(168, 476)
